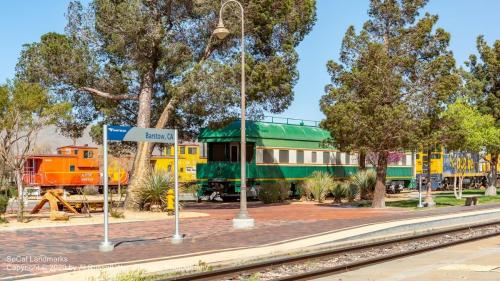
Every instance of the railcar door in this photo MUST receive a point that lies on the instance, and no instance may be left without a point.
(234, 153)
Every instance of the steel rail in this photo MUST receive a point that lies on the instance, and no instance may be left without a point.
(232, 271)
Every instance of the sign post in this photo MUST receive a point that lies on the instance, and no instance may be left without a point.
(126, 133)
(105, 245)
(420, 192)
(177, 238)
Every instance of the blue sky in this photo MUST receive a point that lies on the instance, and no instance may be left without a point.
(25, 21)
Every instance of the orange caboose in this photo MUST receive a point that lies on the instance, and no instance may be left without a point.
(72, 166)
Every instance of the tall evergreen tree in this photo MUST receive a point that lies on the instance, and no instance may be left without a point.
(374, 102)
(483, 89)
(154, 63)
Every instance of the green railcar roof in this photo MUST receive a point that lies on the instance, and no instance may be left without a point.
(256, 130)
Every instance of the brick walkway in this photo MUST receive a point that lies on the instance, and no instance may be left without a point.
(78, 245)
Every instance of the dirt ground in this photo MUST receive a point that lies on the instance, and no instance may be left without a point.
(42, 219)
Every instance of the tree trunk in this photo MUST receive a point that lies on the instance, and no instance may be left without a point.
(143, 155)
(362, 160)
(492, 189)
(20, 195)
(428, 196)
(363, 194)
(379, 195)
(460, 186)
(455, 187)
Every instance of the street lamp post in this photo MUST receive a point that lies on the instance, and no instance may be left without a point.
(243, 219)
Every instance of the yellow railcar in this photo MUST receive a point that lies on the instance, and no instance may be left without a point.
(189, 156)
(444, 166)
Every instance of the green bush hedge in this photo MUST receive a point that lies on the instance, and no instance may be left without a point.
(274, 192)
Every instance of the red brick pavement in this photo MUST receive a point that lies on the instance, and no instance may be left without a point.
(144, 240)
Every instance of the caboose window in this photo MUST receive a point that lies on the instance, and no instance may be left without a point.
(71, 168)
(314, 157)
(268, 156)
(183, 150)
(284, 156)
(87, 154)
(300, 156)
(75, 152)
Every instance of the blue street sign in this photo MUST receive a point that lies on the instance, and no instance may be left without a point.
(125, 133)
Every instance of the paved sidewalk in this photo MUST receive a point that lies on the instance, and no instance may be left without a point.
(62, 247)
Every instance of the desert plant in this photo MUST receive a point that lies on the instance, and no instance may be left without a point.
(269, 193)
(284, 190)
(115, 213)
(365, 180)
(339, 191)
(191, 188)
(318, 185)
(154, 190)
(4, 201)
(352, 192)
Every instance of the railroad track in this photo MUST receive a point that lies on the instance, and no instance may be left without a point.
(331, 261)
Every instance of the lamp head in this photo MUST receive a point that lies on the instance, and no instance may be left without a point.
(220, 31)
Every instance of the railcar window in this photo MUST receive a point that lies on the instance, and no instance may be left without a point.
(183, 150)
(71, 168)
(300, 156)
(435, 156)
(314, 157)
(75, 152)
(192, 150)
(338, 158)
(284, 156)
(203, 150)
(326, 157)
(268, 156)
(217, 152)
(87, 154)
(250, 152)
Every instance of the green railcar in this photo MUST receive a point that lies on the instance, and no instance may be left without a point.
(277, 152)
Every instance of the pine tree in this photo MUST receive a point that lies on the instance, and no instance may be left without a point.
(375, 101)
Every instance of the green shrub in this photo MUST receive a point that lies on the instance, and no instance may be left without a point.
(4, 202)
(274, 192)
(192, 188)
(318, 185)
(154, 189)
(339, 191)
(365, 180)
(115, 213)
(352, 192)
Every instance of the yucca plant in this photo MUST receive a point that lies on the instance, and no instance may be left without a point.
(4, 201)
(352, 191)
(318, 185)
(365, 180)
(154, 189)
(339, 191)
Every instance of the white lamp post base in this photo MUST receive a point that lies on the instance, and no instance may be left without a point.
(176, 239)
(243, 223)
(106, 247)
